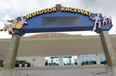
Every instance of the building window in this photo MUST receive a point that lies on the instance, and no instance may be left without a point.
(51, 61)
(70, 60)
(88, 59)
(102, 59)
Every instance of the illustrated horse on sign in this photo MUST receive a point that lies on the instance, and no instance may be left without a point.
(16, 23)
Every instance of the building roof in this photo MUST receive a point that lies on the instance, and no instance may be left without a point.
(52, 35)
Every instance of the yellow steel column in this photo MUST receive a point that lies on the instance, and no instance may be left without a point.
(107, 47)
(12, 53)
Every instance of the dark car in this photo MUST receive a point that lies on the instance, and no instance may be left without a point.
(1, 63)
(103, 62)
(17, 63)
(23, 63)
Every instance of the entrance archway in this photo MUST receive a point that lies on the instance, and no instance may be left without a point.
(57, 19)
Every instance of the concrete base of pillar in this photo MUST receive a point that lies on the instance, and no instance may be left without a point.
(114, 70)
(9, 72)
(111, 70)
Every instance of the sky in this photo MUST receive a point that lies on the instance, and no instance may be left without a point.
(9, 9)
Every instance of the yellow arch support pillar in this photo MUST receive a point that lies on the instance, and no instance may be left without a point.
(12, 53)
(107, 47)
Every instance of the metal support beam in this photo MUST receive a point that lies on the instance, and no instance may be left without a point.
(107, 47)
(12, 53)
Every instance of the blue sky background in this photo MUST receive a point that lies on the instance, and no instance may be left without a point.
(10, 9)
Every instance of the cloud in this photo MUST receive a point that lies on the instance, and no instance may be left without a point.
(4, 35)
(103, 6)
(19, 7)
(6, 17)
(1, 25)
(113, 29)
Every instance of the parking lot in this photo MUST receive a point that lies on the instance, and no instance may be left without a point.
(56, 71)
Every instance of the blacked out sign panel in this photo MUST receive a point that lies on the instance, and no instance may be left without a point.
(61, 21)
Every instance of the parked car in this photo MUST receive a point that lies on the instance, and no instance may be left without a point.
(1, 63)
(103, 62)
(22, 63)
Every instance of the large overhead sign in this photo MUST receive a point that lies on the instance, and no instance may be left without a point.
(58, 19)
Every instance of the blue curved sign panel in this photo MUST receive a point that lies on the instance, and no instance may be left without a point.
(61, 18)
